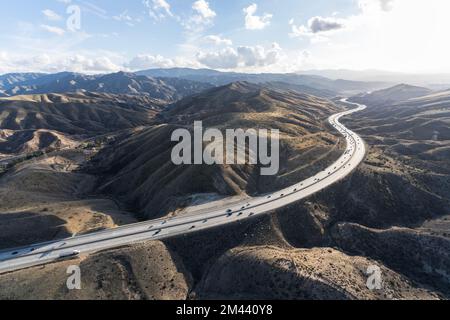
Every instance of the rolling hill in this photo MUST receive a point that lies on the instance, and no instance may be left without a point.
(37, 122)
(391, 95)
(168, 89)
(139, 168)
(78, 113)
(222, 78)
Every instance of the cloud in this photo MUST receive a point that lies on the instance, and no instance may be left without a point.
(158, 9)
(253, 22)
(201, 17)
(125, 17)
(321, 24)
(227, 58)
(81, 63)
(398, 35)
(55, 30)
(203, 10)
(217, 40)
(99, 62)
(241, 57)
(145, 61)
(384, 5)
(315, 26)
(51, 15)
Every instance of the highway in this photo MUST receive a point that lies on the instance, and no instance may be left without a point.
(43, 253)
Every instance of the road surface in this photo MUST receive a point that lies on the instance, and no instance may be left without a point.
(43, 253)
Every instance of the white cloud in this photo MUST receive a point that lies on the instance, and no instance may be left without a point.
(126, 18)
(158, 9)
(55, 30)
(145, 61)
(254, 22)
(217, 40)
(227, 58)
(51, 15)
(202, 17)
(396, 35)
(80, 63)
(385, 5)
(241, 57)
(203, 10)
(149, 61)
(84, 63)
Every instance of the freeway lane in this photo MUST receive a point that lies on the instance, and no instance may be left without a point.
(43, 253)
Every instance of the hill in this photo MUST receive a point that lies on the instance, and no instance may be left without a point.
(37, 122)
(116, 83)
(140, 170)
(78, 113)
(401, 92)
(222, 78)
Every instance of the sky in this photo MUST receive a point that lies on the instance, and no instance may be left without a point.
(100, 36)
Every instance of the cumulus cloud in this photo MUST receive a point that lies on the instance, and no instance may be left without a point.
(241, 57)
(82, 63)
(217, 40)
(146, 61)
(202, 17)
(51, 15)
(59, 62)
(55, 30)
(227, 58)
(158, 9)
(204, 12)
(254, 22)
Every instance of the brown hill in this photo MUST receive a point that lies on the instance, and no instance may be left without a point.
(403, 182)
(140, 170)
(401, 92)
(86, 113)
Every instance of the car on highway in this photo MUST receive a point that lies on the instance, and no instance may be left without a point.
(74, 253)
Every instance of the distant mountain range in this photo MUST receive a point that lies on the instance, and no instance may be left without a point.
(401, 92)
(436, 81)
(167, 89)
(171, 85)
(313, 81)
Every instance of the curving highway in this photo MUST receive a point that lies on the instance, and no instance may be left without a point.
(43, 253)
